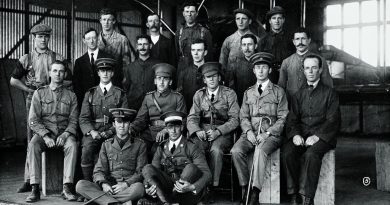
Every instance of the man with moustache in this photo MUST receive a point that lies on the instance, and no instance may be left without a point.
(312, 127)
(163, 48)
(292, 76)
(277, 41)
(241, 73)
(117, 174)
(139, 74)
(94, 115)
(231, 48)
(190, 79)
(155, 103)
(84, 72)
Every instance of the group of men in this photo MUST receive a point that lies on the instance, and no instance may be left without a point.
(172, 107)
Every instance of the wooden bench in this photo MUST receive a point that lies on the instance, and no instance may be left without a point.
(325, 193)
(52, 171)
(382, 153)
(271, 188)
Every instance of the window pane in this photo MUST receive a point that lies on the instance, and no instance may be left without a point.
(369, 11)
(351, 13)
(369, 47)
(333, 15)
(351, 41)
(333, 37)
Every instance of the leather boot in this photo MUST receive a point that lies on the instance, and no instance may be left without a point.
(244, 192)
(254, 196)
(294, 199)
(67, 192)
(35, 194)
(26, 187)
(307, 200)
(87, 173)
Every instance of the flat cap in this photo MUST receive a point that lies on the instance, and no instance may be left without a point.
(261, 57)
(175, 117)
(163, 69)
(244, 11)
(105, 63)
(41, 29)
(210, 68)
(123, 114)
(273, 11)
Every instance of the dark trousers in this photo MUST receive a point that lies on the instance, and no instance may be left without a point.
(165, 183)
(302, 166)
(89, 153)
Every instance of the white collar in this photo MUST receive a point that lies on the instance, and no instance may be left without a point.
(176, 143)
(211, 93)
(155, 38)
(263, 85)
(95, 54)
(314, 84)
(108, 86)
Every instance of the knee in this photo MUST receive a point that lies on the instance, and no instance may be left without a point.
(81, 185)
(138, 189)
(148, 170)
(311, 156)
(236, 151)
(216, 151)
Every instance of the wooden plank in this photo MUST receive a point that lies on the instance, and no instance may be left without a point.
(382, 152)
(271, 188)
(53, 173)
(325, 193)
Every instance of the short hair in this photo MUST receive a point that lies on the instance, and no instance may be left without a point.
(147, 37)
(107, 11)
(153, 14)
(311, 56)
(249, 35)
(58, 62)
(199, 40)
(190, 3)
(302, 30)
(90, 30)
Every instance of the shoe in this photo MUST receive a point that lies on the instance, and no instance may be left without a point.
(35, 194)
(67, 193)
(307, 200)
(244, 192)
(294, 199)
(26, 187)
(254, 196)
(80, 198)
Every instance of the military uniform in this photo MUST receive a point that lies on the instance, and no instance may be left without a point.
(94, 115)
(186, 162)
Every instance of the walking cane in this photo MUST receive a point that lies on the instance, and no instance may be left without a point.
(93, 199)
(250, 176)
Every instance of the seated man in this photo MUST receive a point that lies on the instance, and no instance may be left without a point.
(312, 126)
(263, 114)
(213, 117)
(118, 170)
(155, 103)
(53, 120)
(179, 171)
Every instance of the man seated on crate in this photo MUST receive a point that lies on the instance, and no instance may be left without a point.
(53, 120)
(312, 127)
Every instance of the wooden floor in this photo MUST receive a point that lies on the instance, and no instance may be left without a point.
(355, 159)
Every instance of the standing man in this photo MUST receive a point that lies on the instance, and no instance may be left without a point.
(84, 72)
(34, 67)
(241, 70)
(139, 74)
(179, 171)
(189, 31)
(276, 41)
(114, 43)
(155, 103)
(231, 48)
(53, 120)
(163, 48)
(190, 79)
(312, 127)
(292, 76)
(118, 169)
(94, 115)
(263, 114)
(213, 118)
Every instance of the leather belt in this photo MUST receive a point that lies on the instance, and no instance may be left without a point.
(104, 120)
(157, 123)
(206, 120)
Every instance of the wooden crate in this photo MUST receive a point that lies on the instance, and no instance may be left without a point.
(52, 171)
(325, 193)
(271, 188)
(382, 152)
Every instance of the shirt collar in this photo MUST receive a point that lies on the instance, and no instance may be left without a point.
(95, 53)
(155, 38)
(108, 86)
(214, 92)
(263, 85)
(38, 53)
(176, 143)
(314, 84)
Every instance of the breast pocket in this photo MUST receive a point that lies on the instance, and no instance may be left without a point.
(47, 106)
(64, 106)
(96, 106)
(204, 106)
(268, 108)
(252, 104)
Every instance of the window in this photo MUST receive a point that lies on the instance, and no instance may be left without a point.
(360, 29)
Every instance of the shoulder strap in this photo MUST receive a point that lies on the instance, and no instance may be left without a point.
(202, 31)
(29, 60)
(155, 103)
(180, 46)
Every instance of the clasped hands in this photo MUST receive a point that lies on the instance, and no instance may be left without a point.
(256, 140)
(310, 141)
(50, 143)
(114, 189)
(210, 135)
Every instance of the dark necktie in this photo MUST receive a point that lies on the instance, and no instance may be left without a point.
(105, 91)
(311, 87)
(259, 89)
(173, 148)
(92, 60)
(212, 98)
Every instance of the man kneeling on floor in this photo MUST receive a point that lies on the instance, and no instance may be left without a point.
(179, 171)
(117, 173)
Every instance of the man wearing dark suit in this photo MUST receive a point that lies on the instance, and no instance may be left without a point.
(84, 73)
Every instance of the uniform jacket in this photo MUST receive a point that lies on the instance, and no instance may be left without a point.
(272, 103)
(186, 152)
(96, 105)
(225, 102)
(315, 112)
(118, 46)
(117, 164)
(189, 81)
(240, 77)
(53, 112)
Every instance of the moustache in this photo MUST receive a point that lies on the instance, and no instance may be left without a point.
(142, 50)
(301, 44)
